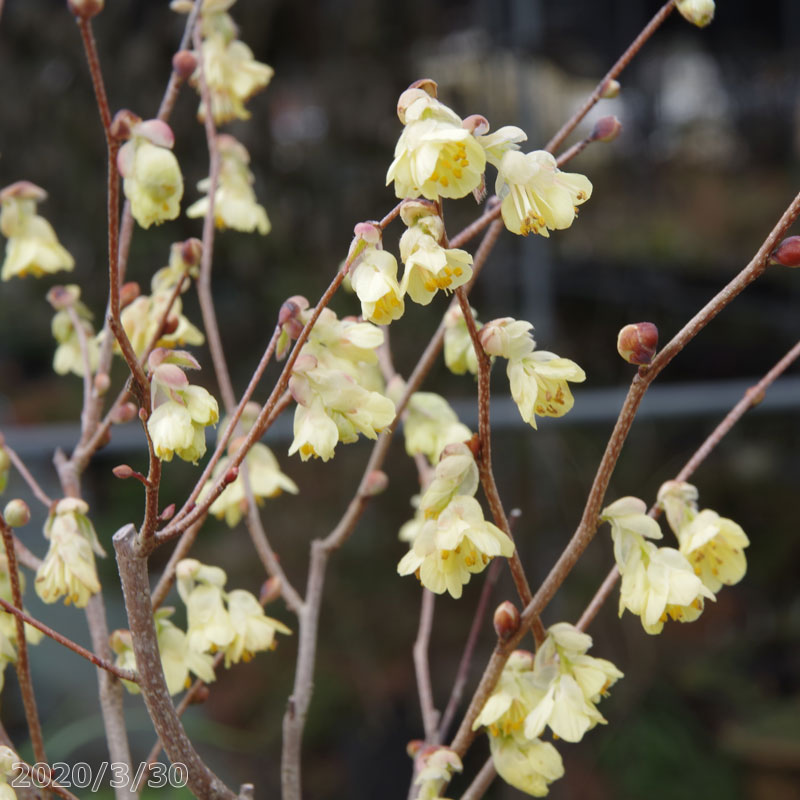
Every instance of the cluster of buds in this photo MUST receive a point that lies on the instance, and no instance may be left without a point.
(69, 355)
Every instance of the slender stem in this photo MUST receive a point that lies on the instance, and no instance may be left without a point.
(22, 664)
(749, 399)
(24, 617)
(133, 573)
(24, 472)
(430, 716)
(459, 684)
(83, 345)
(481, 782)
(619, 66)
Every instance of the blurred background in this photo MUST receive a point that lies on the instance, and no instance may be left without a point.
(707, 161)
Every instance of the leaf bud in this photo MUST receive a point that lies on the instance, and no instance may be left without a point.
(85, 9)
(606, 129)
(610, 89)
(376, 482)
(61, 297)
(231, 475)
(787, 253)
(168, 513)
(413, 747)
(192, 252)
(123, 471)
(124, 413)
(506, 620)
(200, 695)
(128, 292)
(17, 513)
(270, 590)
(637, 343)
(102, 383)
(184, 62)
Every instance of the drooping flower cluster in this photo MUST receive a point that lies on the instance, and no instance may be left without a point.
(181, 411)
(8, 625)
(436, 766)
(263, 470)
(33, 247)
(538, 379)
(178, 660)
(558, 688)
(69, 568)
(713, 545)
(453, 541)
(231, 72)
(68, 356)
(459, 352)
(430, 425)
(373, 276)
(658, 583)
(440, 155)
(153, 182)
(232, 622)
(235, 204)
(337, 386)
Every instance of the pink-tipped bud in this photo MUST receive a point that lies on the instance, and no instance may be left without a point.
(506, 620)
(376, 482)
(231, 475)
(184, 62)
(787, 253)
(289, 315)
(168, 513)
(24, 190)
(192, 252)
(85, 9)
(17, 513)
(610, 89)
(270, 590)
(476, 124)
(413, 747)
(606, 129)
(123, 124)
(170, 325)
(128, 292)
(61, 297)
(126, 412)
(637, 343)
(123, 471)
(102, 383)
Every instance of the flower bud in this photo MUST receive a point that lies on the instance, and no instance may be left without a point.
(200, 695)
(606, 129)
(124, 413)
(17, 513)
(184, 62)
(787, 253)
(698, 12)
(170, 325)
(102, 383)
(231, 475)
(637, 343)
(413, 747)
(85, 9)
(270, 590)
(289, 316)
(123, 471)
(610, 89)
(123, 123)
(24, 190)
(376, 482)
(61, 297)
(128, 292)
(192, 252)
(168, 513)
(506, 620)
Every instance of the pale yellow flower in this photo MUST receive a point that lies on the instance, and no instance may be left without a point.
(68, 356)
(374, 280)
(69, 568)
(459, 352)
(152, 177)
(436, 768)
(235, 204)
(528, 765)
(253, 630)
(33, 247)
(455, 474)
(536, 196)
(430, 425)
(698, 12)
(450, 548)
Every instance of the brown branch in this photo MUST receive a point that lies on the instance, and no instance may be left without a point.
(24, 617)
(20, 467)
(618, 67)
(430, 716)
(481, 782)
(22, 664)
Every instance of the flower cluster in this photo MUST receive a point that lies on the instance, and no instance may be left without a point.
(68, 356)
(430, 425)
(453, 540)
(181, 411)
(33, 247)
(538, 379)
(153, 182)
(558, 688)
(440, 155)
(459, 352)
(436, 766)
(337, 386)
(232, 622)
(69, 568)
(235, 204)
(231, 72)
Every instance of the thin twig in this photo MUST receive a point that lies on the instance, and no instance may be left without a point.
(22, 664)
(24, 472)
(481, 782)
(24, 617)
(622, 62)
(430, 716)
